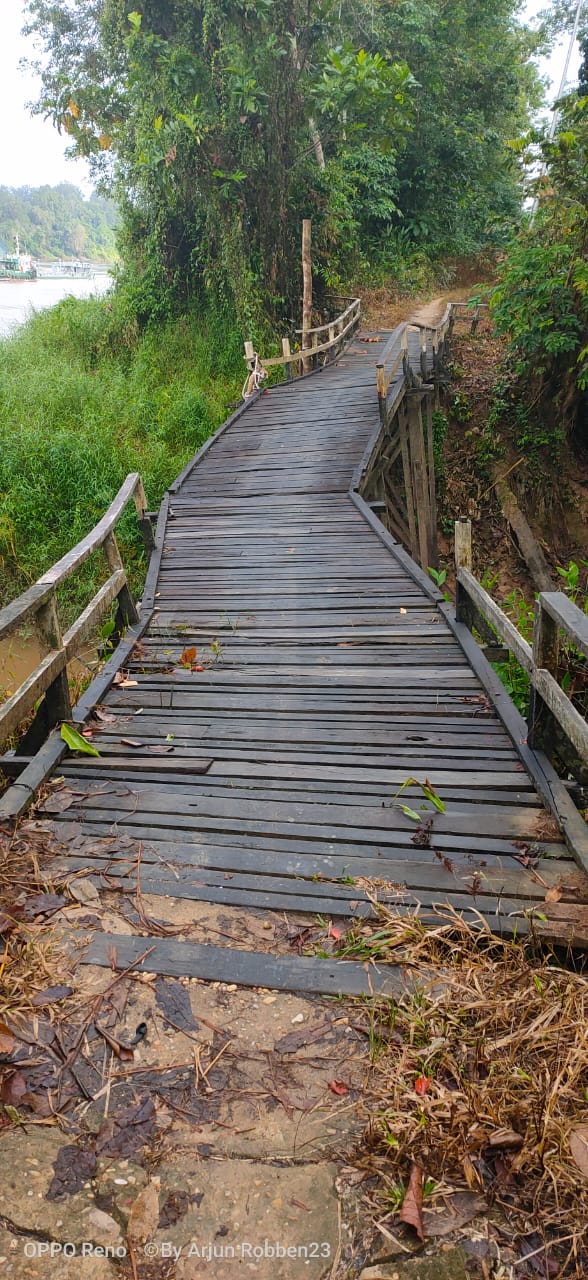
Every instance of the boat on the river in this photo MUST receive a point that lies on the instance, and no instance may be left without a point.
(66, 270)
(17, 265)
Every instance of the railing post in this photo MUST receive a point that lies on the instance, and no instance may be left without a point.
(286, 352)
(406, 369)
(56, 705)
(126, 614)
(57, 697)
(463, 560)
(545, 656)
(382, 401)
(144, 521)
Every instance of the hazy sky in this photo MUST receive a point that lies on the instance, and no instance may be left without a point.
(32, 152)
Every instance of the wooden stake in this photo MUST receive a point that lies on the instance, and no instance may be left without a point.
(307, 291)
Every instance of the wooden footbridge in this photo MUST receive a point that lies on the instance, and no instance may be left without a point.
(297, 713)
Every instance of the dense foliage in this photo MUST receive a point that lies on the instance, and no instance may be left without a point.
(220, 125)
(84, 399)
(541, 301)
(57, 222)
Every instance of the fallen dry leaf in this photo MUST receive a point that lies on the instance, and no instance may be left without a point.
(7, 1041)
(579, 1147)
(51, 995)
(421, 1085)
(85, 892)
(188, 657)
(144, 1215)
(459, 1209)
(122, 1051)
(339, 1087)
(58, 802)
(506, 1140)
(412, 1206)
(13, 1089)
(554, 894)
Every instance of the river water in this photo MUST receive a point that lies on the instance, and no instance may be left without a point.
(20, 298)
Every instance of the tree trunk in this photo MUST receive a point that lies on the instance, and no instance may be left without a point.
(528, 545)
(307, 292)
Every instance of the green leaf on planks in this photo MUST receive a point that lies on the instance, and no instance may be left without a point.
(410, 813)
(75, 741)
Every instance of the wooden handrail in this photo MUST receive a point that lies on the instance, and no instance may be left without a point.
(395, 355)
(554, 612)
(338, 319)
(338, 328)
(39, 602)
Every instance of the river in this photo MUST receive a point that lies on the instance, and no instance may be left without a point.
(20, 298)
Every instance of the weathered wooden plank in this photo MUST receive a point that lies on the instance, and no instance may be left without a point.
(247, 968)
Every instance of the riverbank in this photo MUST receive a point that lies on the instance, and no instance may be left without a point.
(85, 398)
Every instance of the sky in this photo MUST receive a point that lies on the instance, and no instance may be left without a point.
(33, 153)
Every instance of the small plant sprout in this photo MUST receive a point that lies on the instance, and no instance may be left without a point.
(429, 793)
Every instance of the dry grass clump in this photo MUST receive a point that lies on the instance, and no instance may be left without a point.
(30, 958)
(483, 1082)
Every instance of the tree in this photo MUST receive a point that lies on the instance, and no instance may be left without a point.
(219, 126)
(541, 302)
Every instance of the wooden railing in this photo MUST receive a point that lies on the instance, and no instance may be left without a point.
(38, 608)
(326, 340)
(552, 715)
(434, 339)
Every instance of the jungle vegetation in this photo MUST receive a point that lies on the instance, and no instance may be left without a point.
(218, 126)
(57, 222)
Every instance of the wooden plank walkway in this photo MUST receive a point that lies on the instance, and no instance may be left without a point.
(325, 675)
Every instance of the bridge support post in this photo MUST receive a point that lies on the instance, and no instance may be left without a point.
(463, 560)
(56, 705)
(126, 614)
(381, 379)
(545, 656)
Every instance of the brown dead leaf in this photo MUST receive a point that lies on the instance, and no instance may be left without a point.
(13, 1089)
(459, 1209)
(144, 1215)
(296, 1040)
(579, 1147)
(58, 802)
(131, 742)
(554, 894)
(122, 1051)
(412, 1206)
(7, 1041)
(188, 657)
(51, 995)
(339, 1087)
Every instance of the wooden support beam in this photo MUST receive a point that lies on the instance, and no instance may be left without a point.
(406, 470)
(420, 485)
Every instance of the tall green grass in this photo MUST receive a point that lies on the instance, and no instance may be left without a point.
(84, 399)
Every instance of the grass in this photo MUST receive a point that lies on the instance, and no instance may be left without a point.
(84, 399)
(482, 1083)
